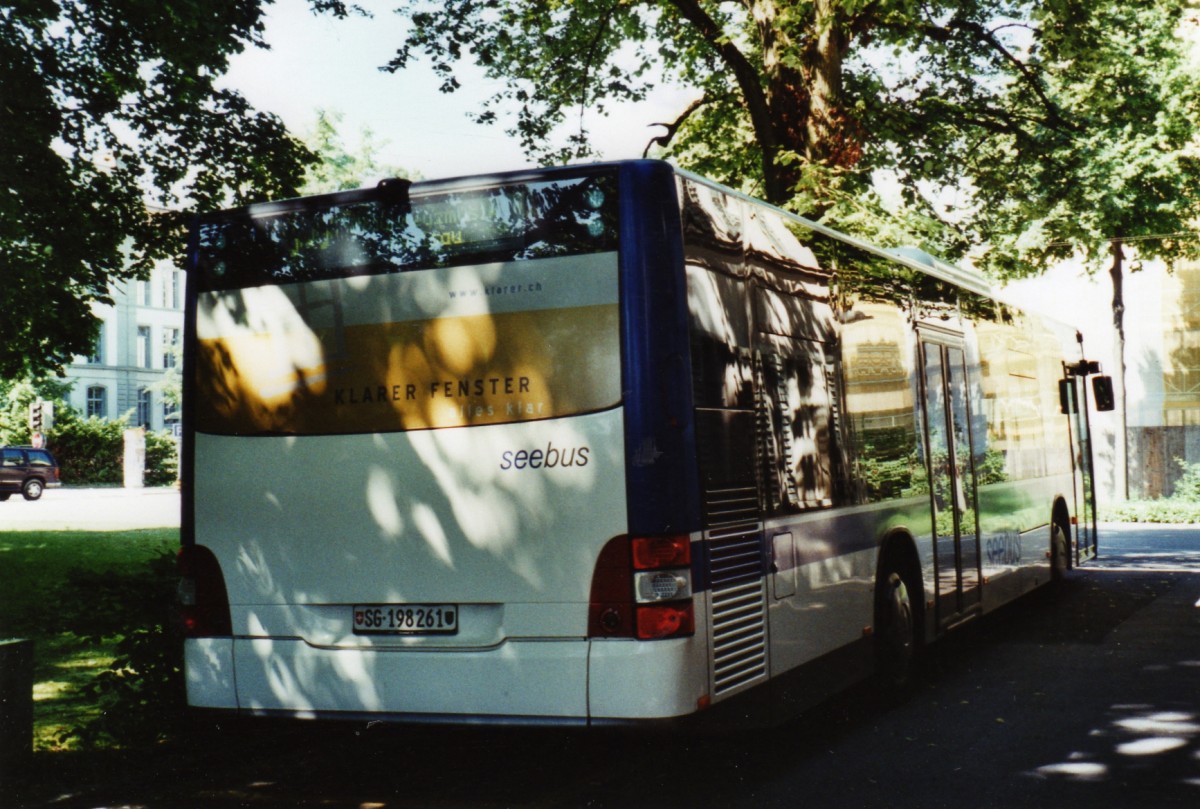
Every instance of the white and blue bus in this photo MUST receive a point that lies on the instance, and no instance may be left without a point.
(600, 444)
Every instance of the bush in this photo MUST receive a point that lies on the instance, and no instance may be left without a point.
(1152, 511)
(1182, 507)
(162, 460)
(141, 694)
(91, 452)
(1187, 488)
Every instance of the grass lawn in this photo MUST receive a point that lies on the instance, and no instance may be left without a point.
(35, 568)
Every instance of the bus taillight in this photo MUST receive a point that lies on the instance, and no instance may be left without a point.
(642, 588)
(662, 586)
(667, 621)
(203, 602)
(652, 553)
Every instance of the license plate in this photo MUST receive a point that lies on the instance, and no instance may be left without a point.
(406, 619)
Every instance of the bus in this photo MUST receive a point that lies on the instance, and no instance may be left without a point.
(602, 444)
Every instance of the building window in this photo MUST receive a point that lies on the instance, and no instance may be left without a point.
(142, 292)
(143, 347)
(143, 408)
(97, 355)
(170, 347)
(172, 297)
(97, 402)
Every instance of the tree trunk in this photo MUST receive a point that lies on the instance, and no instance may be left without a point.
(749, 81)
(827, 136)
(805, 98)
(792, 107)
(1121, 447)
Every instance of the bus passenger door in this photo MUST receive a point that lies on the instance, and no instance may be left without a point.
(951, 466)
(1074, 394)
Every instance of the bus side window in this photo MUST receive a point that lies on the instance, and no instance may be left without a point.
(881, 409)
(795, 417)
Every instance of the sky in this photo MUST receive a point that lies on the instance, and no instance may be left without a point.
(318, 62)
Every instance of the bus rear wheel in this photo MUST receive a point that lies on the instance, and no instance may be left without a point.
(895, 632)
(1059, 555)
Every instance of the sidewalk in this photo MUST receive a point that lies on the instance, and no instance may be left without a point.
(98, 509)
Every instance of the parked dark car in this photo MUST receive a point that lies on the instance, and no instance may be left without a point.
(28, 471)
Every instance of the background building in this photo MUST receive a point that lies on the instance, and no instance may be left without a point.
(1162, 368)
(139, 341)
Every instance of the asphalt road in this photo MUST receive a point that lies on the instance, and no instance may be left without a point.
(1084, 696)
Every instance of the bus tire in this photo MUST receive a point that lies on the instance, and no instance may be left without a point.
(1060, 558)
(895, 631)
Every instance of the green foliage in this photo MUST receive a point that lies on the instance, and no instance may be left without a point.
(162, 460)
(38, 562)
(1152, 511)
(89, 451)
(1183, 506)
(1033, 129)
(1187, 488)
(171, 383)
(15, 398)
(140, 695)
(40, 569)
(1102, 146)
(993, 469)
(103, 100)
(889, 466)
(338, 169)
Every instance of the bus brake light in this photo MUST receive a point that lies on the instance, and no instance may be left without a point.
(642, 588)
(666, 621)
(651, 553)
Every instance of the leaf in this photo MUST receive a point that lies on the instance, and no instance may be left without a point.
(96, 112)
(1026, 133)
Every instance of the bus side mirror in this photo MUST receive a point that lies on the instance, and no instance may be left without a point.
(1066, 396)
(1102, 388)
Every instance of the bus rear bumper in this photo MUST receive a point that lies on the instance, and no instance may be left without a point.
(286, 676)
(519, 682)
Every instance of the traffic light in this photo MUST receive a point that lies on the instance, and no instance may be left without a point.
(35, 417)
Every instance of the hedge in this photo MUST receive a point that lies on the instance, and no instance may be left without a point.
(90, 452)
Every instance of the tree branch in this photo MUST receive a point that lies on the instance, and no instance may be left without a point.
(589, 61)
(1030, 78)
(664, 140)
(748, 80)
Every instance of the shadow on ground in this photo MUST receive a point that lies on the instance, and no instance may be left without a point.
(1077, 696)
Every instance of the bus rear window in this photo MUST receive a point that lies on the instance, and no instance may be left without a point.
(330, 238)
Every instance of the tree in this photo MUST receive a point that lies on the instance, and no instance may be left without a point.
(1057, 128)
(1117, 181)
(805, 101)
(113, 129)
(337, 168)
(15, 399)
